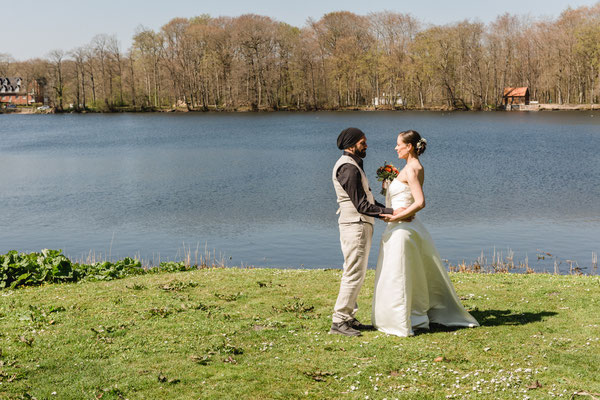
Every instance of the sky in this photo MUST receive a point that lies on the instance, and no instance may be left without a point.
(67, 24)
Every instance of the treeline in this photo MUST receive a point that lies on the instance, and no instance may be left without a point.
(342, 60)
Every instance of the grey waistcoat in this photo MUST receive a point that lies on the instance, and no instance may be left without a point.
(347, 211)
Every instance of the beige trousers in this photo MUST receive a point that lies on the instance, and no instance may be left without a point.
(355, 239)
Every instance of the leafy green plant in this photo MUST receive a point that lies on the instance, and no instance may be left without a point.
(172, 266)
(51, 266)
(107, 270)
(20, 269)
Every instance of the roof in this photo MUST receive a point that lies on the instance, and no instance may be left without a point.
(10, 85)
(515, 91)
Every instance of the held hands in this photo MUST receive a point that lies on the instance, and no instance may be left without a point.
(395, 217)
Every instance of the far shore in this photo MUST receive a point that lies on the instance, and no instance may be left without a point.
(529, 107)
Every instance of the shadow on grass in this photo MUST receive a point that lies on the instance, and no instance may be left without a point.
(508, 317)
(492, 318)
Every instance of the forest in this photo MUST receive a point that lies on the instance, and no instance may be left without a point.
(343, 60)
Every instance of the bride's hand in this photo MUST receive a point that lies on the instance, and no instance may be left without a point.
(405, 219)
(391, 217)
(399, 210)
(387, 217)
(394, 217)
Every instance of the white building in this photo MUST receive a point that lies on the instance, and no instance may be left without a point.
(387, 99)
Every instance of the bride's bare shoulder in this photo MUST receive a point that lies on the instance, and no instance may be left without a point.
(414, 168)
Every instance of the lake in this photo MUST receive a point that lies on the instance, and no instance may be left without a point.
(256, 188)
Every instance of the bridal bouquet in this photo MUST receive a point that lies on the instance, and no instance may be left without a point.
(387, 172)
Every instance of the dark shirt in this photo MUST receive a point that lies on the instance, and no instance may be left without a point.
(350, 178)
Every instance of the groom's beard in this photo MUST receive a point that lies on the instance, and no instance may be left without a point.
(361, 153)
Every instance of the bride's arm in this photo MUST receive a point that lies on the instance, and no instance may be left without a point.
(412, 176)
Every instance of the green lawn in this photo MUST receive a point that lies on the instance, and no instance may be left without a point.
(262, 333)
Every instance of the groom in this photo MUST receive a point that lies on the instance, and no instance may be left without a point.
(358, 210)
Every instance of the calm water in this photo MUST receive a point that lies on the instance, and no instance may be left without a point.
(257, 187)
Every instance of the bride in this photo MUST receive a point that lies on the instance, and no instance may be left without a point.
(412, 287)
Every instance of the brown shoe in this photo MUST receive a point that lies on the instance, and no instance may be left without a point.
(344, 328)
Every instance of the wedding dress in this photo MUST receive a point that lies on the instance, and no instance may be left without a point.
(412, 287)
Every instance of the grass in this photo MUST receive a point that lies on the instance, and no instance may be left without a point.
(262, 333)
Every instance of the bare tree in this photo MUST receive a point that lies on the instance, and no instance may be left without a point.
(56, 58)
(114, 50)
(80, 56)
(255, 37)
(395, 33)
(149, 44)
(221, 47)
(100, 45)
(5, 62)
(132, 75)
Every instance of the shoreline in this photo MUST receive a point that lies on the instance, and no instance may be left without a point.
(18, 269)
(136, 110)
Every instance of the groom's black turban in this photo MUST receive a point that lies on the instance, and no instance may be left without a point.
(349, 137)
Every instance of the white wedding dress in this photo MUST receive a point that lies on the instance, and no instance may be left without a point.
(412, 287)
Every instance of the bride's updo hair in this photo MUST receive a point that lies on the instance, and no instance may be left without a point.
(413, 137)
